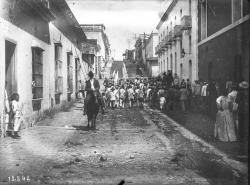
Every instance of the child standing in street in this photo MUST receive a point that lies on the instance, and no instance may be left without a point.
(17, 110)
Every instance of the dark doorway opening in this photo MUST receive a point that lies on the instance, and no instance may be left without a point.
(10, 67)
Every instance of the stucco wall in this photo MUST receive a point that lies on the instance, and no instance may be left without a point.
(20, 14)
(24, 41)
(151, 44)
(101, 53)
(165, 58)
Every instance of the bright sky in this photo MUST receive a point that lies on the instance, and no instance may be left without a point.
(122, 19)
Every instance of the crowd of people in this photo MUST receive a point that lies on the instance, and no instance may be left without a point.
(225, 103)
(221, 102)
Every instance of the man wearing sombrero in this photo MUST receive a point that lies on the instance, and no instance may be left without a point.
(93, 85)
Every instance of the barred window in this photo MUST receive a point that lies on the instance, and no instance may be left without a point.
(37, 78)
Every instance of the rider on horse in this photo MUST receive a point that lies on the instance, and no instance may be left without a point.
(92, 85)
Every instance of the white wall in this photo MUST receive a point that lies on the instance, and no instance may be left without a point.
(184, 5)
(100, 41)
(24, 41)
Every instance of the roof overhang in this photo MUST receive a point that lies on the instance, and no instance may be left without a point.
(165, 15)
(41, 8)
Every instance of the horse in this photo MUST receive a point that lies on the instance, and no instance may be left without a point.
(92, 108)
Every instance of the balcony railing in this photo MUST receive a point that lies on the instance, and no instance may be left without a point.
(177, 31)
(186, 22)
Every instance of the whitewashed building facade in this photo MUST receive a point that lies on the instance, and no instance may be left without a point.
(178, 37)
(40, 55)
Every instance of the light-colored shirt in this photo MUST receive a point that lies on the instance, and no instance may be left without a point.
(92, 84)
(112, 96)
(116, 92)
(204, 90)
(232, 95)
(17, 108)
(162, 100)
(176, 81)
(148, 91)
(137, 91)
(122, 93)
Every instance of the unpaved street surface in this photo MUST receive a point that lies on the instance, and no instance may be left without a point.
(127, 145)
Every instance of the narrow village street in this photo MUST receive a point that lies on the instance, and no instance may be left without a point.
(165, 82)
(128, 145)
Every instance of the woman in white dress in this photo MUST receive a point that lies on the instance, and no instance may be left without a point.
(224, 126)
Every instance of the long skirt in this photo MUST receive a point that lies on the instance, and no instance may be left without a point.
(224, 126)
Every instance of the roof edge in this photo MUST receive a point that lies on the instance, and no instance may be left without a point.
(165, 15)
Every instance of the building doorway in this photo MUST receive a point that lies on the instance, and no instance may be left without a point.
(190, 70)
(10, 67)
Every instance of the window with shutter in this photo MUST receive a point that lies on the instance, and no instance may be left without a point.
(37, 78)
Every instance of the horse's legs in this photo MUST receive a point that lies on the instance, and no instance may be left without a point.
(93, 122)
(94, 119)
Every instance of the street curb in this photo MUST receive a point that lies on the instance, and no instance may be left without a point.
(239, 166)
